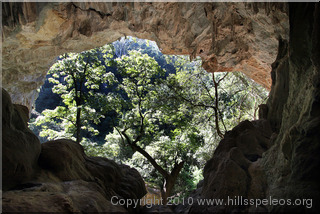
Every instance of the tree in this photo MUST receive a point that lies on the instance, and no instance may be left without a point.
(218, 101)
(167, 116)
(191, 85)
(142, 120)
(78, 79)
(166, 122)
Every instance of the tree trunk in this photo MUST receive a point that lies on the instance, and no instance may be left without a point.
(167, 189)
(79, 101)
(216, 109)
(78, 125)
(170, 179)
(169, 182)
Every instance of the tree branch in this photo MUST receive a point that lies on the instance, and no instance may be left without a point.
(137, 148)
(176, 170)
(217, 107)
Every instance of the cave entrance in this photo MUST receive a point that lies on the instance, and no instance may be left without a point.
(134, 98)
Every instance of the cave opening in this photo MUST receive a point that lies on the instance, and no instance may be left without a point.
(187, 110)
(274, 157)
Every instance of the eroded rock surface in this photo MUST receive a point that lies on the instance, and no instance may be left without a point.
(292, 165)
(57, 176)
(20, 147)
(280, 162)
(227, 36)
(235, 169)
(75, 196)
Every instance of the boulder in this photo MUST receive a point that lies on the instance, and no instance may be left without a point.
(75, 196)
(20, 147)
(66, 160)
(235, 171)
(57, 176)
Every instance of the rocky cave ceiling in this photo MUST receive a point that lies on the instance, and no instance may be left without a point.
(227, 36)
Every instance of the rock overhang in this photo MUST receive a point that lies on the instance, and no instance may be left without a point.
(227, 36)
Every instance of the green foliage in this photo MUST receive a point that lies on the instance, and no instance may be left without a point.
(185, 103)
(162, 130)
(166, 103)
(78, 79)
(140, 74)
(191, 89)
(94, 149)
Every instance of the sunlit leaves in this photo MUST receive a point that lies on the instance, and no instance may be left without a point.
(78, 78)
(176, 108)
(140, 73)
(106, 150)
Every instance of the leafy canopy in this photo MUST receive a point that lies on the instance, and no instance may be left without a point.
(78, 79)
(168, 105)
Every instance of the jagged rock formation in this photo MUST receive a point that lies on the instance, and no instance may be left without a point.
(227, 36)
(20, 147)
(235, 169)
(57, 176)
(292, 165)
(282, 164)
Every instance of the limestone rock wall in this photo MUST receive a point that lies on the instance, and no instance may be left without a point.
(235, 169)
(227, 36)
(57, 176)
(292, 165)
(20, 147)
(76, 196)
(280, 162)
